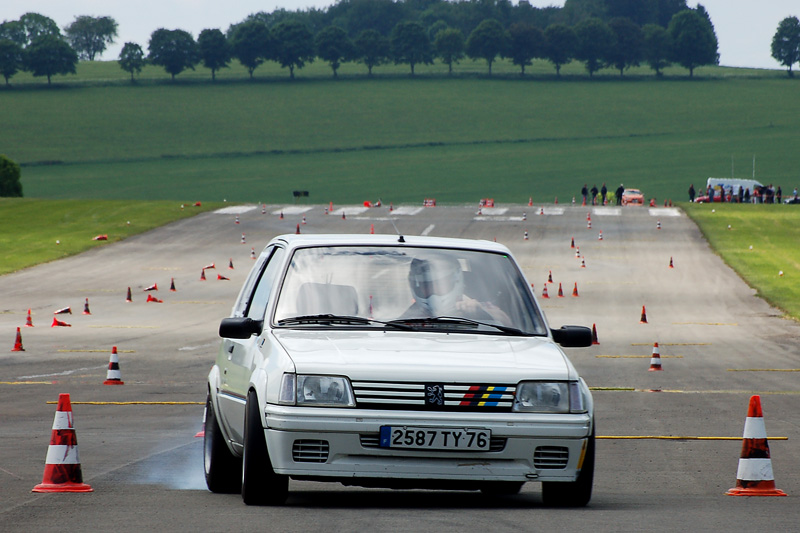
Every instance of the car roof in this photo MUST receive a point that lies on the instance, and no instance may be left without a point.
(306, 239)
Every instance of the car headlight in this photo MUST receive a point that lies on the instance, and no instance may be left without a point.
(316, 391)
(549, 397)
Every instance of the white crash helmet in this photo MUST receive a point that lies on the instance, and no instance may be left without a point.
(437, 283)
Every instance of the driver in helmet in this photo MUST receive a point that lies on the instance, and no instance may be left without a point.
(437, 284)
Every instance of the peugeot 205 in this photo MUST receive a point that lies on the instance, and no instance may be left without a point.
(396, 362)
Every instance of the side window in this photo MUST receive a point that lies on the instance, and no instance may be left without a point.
(246, 293)
(258, 303)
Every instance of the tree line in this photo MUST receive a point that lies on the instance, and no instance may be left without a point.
(599, 33)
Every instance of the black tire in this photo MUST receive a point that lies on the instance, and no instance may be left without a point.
(576, 493)
(223, 469)
(502, 488)
(260, 484)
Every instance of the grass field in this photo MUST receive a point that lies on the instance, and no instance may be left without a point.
(37, 231)
(760, 242)
(397, 138)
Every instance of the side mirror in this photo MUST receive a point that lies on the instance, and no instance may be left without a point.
(240, 327)
(573, 336)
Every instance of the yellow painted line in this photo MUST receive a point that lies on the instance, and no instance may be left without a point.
(207, 302)
(133, 403)
(674, 437)
(637, 356)
(705, 323)
(95, 350)
(672, 344)
(126, 327)
(678, 391)
(27, 382)
(764, 370)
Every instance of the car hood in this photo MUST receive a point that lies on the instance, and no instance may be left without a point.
(401, 356)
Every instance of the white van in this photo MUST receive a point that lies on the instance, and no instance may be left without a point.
(730, 186)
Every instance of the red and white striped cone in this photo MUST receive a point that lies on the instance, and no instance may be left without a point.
(210, 266)
(62, 470)
(86, 308)
(575, 290)
(222, 278)
(252, 253)
(544, 292)
(655, 359)
(18, 342)
(59, 324)
(63, 311)
(29, 320)
(153, 287)
(754, 476)
(128, 298)
(560, 291)
(230, 264)
(172, 285)
(594, 334)
(113, 376)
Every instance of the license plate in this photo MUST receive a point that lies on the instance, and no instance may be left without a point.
(425, 438)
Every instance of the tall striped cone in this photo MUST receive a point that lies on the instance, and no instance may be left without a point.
(62, 469)
(172, 285)
(29, 320)
(575, 290)
(113, 376)
(549, 276)
(203, 275)
(544, 292)
(230, 263)
(128, 298)
(594, 335)
(572, 244)
(560, 291)
(655, 359)
(670, 263)
(643, 319)
(86, 308)
(297, 231)
(18, 343)
(252, 253)
(372, 229)
(754, 476)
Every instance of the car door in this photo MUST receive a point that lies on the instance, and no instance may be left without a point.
(236, 364)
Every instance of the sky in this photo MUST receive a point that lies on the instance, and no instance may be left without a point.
(744, 28)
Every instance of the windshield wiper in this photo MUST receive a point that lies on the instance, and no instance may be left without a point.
(329, 319)
(457, 321)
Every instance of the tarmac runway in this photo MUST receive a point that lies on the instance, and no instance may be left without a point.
(669, 442)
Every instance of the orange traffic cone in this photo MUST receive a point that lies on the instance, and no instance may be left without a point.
(372, 229)
(643, 319)
(575, 290)
(113, 376)
(754, 476)
(343, 217)
(243, 239)
(210, 266)
(63, 311)
(572, 244)
(203, 275)
(252, 253)
(128, 298)
(28, 320)
(530, 201)
(86, 308)
(150, 298)
(583, 265)
(549, 276)
(18, 343)
(658, 224)
(544, 292)
(172, 285)
(560, 292)
(230, 264)
(281, 217)
(670, 263)
(221, 277)
(655, 360)
(153, 287)
(58, 323)
(62, 469)
(594, 335)
(297, 231)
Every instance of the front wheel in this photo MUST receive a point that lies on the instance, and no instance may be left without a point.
(260, 484)
(223, 469)
(575, 493)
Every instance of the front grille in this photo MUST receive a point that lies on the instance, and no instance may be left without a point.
(550, 457)
(310, 451)
(430, 396)
(372, 440)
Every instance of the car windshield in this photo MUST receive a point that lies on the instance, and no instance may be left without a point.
(410, 288)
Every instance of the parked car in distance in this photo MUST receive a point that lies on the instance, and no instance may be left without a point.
(792, 200)
(397, 362)
(632, 197)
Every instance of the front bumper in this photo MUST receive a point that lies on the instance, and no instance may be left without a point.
(343, 444)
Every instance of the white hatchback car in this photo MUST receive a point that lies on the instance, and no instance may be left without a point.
(400, 362)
